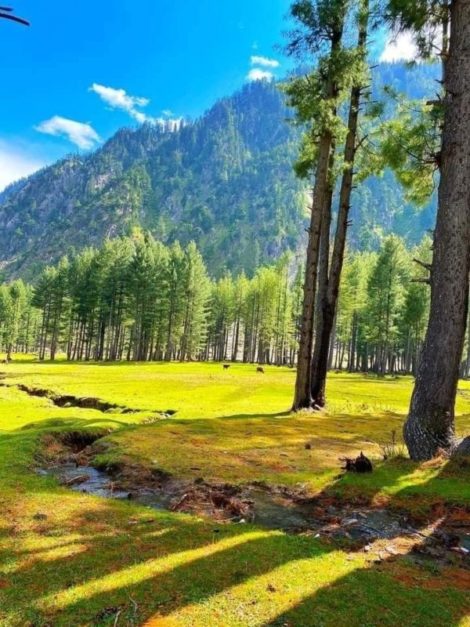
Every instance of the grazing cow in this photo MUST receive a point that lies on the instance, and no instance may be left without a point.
(259, 369)
(226, 366)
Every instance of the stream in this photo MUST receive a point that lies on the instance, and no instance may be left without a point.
(267, 508)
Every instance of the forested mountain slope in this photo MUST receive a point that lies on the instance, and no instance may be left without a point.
(224, 181)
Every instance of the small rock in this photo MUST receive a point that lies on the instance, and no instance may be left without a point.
(392, 550)
(367, 548)
(308, 446)
(347, 522)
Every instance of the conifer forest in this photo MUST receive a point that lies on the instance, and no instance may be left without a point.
(234, 314)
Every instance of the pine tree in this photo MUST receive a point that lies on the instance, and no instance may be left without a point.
(332, 273)
(320, 25)
(197, 292)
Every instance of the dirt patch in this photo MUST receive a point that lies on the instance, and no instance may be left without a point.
(78, 441)
(416, 578)
(450, 578)
(65, 447)
(67, 400)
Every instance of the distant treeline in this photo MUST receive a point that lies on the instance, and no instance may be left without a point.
(137, 299)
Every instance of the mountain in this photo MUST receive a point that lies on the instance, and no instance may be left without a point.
(224, 181)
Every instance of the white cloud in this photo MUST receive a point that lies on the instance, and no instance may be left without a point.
(16, 164)
(140, 117)
(400, 47)
(82, 135)
(120, 99)
(256, 74)
(264, 61)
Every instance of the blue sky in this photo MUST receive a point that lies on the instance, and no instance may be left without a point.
(83, 70)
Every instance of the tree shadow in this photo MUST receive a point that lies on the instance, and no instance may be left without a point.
(131, 564)
(424, 584)
(155, 560)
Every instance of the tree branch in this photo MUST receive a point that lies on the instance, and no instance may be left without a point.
(426, 266)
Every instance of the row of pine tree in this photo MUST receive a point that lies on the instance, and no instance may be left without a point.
(137, 299)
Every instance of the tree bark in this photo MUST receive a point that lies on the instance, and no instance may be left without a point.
(430, 424)
(303, 397)
(330, 298)
(323, 276)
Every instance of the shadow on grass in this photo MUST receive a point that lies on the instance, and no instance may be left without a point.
(129, 564)
(401, 589)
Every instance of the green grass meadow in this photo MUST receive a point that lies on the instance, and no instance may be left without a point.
(67, 558)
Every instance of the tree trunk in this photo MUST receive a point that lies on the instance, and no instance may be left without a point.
(328, 312)
(303, 397)
(323, 272)
(430, 424)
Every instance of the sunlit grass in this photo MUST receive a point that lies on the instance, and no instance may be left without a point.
(70, 559)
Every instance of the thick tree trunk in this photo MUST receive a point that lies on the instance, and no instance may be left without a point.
(430, 424)
(330, 298)
(467, 362)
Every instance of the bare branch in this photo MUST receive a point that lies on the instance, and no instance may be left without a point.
(426, 266)
(425, 281)
(13, 18)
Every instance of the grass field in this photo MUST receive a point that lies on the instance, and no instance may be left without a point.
(68, 558)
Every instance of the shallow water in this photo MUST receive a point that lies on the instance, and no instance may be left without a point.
(98, 482)
(267, 509)
(277, 513)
